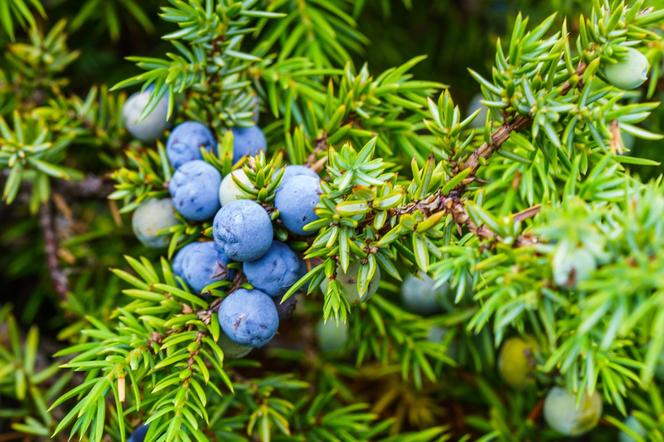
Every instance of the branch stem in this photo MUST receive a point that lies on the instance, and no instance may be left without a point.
(58, 276)
(453, 202)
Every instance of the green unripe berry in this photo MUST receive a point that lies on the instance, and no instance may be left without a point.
(419, 294)
(630, 72)
(152, 218)
(230, 191)
(563, 415)
(438, 335)
(231, 349)
(348, 282)
(331, 336)
(516, 362)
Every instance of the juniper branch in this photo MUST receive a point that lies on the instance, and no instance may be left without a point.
(502, 134)
(453, 203)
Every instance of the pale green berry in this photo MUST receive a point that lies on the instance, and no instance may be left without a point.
(230, 191)
(153, 125)
(516, 361)
(151, 219)
(572, 267)
(563, 415)
(419, 294)
(331, 336)
(630, 72)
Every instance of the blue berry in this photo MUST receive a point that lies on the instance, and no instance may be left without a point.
(294, 170)
(419, 295)
(563, 415)
(201, 264)
(247, 141)
(438, 335)
(628, 140)
(243, 230)
(249, 317)
(331, 336)
(276, 271)
(296, 200)
(194, 188)
(139, 434)
(153, 125)
(635, 426)
(152, 217)
(178, 260)
(185, 142)
(230, 191)
(630, 72)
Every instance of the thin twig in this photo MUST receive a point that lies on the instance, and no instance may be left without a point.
(517, 124)
(453, 203)
(527, 213)
(321, 145)
(58, 276)
(568, 85)
(498, 138)
(536, 413)
(91, 186)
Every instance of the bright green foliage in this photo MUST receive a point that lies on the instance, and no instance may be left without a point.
(537, 221)
(18, 13)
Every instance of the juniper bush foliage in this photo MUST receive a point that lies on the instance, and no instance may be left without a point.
(283, 195)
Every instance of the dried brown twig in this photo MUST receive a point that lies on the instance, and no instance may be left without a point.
(58, 276)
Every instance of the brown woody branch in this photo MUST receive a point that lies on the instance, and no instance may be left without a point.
(536, 413)
(453, 203)
(455, 206)
(58, 276)
(91, 186)
(321, 145)
(519, 123)
(498, 138)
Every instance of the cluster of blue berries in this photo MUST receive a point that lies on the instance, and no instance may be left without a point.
(242, 229)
